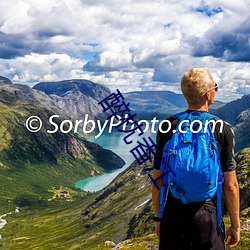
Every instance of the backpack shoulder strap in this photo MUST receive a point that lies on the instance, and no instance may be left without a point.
(208, 116)
(182, 115)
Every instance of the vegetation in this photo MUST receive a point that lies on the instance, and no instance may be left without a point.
(35, 168)
(32, 163)
(243, 175)
(57, 225)
(122, 213)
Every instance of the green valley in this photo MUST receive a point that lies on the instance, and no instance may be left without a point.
(121, 213)
(32, 163)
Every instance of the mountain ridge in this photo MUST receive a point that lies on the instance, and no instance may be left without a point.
(237, 113)
(230, 111)
(58, 159)
(72, 95)
(76, 97)
(4, 80)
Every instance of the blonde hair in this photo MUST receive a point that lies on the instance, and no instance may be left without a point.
(195, 83)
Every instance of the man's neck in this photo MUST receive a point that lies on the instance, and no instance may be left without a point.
(198, 107)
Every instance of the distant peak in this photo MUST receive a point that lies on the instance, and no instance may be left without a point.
(4, 80)
(66, 87)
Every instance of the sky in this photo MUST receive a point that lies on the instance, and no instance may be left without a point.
(130, 45)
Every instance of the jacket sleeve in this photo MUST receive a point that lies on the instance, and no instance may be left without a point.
(227, 159)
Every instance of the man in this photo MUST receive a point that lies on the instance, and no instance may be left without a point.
(194, 225)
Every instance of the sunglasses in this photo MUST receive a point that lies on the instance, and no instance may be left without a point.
(216, 87)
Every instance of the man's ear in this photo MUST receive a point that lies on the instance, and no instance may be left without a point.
(207, 95)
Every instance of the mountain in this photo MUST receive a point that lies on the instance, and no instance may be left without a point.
(80, 97)
(76, 97)
(4, 80)
(38, 166)
(232, 110)
(142, 100)
(31, 164)
(242, 130)
(121, 211)
(216, 105)
(237, 113)
(159, 104)
(243, 175)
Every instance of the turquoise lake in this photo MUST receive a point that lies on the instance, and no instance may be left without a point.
(115, 142)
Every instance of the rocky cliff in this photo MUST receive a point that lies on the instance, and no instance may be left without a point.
(76, 97)
(243, 175)
(4, 80)
(232, 110)
(237, 114)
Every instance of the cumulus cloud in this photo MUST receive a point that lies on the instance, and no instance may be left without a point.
(35, 68)
(139, 45)
(231, 45)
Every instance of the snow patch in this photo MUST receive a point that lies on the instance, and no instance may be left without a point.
(3, 222)
(141, 187)
(143, 203)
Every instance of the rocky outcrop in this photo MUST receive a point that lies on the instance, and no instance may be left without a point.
(243, 175)
(232, 110)
(106, 158)
(4, 80)
(77, 97)
(242, 130)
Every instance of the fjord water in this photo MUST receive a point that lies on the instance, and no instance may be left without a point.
(115, 142)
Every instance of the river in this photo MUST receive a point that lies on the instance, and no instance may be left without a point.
(115, 142)
(3, 222)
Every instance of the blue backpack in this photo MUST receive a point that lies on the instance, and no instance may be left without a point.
(191, 162)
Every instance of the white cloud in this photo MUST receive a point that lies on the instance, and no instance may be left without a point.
(35, 68)
(124, 81)
(141, 45)
(16, 18)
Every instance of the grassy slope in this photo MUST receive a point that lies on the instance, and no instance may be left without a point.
(242, 131)
(31, 164)
(243, 176)
(32, 184)
(48, 226)
(60, 225)
(110, 214)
